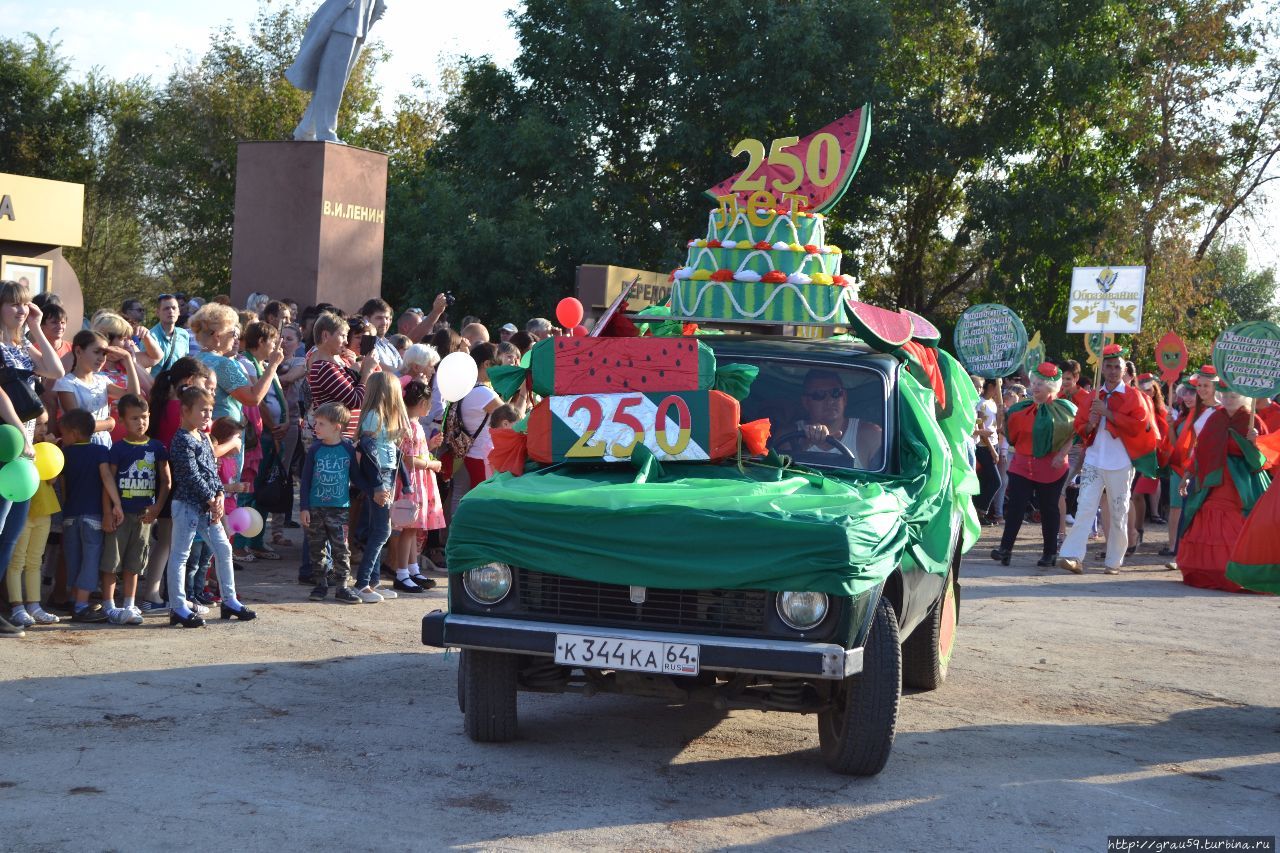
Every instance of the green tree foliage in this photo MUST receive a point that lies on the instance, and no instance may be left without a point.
(1011, 142)
(597, 146)
(57, 128)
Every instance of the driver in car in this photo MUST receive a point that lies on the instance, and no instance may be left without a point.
(826, 425)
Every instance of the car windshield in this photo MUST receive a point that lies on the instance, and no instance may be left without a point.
(823, 414)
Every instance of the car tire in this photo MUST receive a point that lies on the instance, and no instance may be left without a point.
(926, 655)
(488, 681)
(855, 735)
(462, 685)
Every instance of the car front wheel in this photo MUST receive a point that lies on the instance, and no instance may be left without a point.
(487, 682)
(855, 734)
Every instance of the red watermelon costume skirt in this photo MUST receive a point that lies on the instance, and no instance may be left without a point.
(1205, 549)
(1255, 561)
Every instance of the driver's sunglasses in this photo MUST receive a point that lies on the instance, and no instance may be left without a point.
(819, 396)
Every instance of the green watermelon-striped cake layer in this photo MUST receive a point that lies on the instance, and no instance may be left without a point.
(804, 230)
(763, 261)
(757, 302)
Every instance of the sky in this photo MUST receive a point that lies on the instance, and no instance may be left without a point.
(148, 37)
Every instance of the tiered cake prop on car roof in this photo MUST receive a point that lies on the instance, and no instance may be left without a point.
(765, 258)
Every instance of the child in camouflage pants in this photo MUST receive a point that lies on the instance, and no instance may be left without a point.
(326, 500)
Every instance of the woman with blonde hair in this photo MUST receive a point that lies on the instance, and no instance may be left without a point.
(217, 329)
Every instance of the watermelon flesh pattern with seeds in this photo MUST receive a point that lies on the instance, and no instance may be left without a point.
(884, 330)
(852, 131)
(923, 330)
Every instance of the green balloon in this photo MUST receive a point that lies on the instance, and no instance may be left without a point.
(11, 442)
(19, 480)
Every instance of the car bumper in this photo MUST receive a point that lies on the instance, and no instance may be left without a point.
(723, 654)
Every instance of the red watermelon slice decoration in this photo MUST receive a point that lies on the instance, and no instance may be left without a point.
(884, 330)
(609, 365)
(922, 330)
(851, 133)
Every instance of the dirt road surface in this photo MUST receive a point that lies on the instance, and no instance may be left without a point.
(1077, 707)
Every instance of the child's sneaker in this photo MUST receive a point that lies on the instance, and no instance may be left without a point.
(346, 595)
(386, 592)
(368, 596)
(43, 617)
(120, 616)
(22, 619)
(136, 615)
(319, 593)
(155, 608)
(197, 608)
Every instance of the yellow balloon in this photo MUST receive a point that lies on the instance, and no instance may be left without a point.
(49, 460)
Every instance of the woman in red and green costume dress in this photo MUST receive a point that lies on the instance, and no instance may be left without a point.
(1224, 483)
(1040, 430)
(1183, 435)
(1255, 561)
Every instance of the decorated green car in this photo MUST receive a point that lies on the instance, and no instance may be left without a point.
(745, 519)
(816, 578)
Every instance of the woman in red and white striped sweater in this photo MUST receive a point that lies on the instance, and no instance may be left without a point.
(332, 372)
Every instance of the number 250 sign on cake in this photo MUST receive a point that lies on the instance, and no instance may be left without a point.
(765, 258)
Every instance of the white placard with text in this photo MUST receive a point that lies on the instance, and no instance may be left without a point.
(1106, 299)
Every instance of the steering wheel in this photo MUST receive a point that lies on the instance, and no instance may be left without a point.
(831, 441)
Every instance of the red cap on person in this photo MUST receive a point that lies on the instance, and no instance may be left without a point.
(1048, 370)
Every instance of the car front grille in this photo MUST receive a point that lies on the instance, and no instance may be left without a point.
(590, 603)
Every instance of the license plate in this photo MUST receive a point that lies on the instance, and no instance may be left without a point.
(634, 655)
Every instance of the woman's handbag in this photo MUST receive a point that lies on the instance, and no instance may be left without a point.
(16, 385)
(273, 491)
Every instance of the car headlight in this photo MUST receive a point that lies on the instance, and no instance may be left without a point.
(802, 610)
(488, 584)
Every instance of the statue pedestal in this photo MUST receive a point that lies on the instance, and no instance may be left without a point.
(309, 223)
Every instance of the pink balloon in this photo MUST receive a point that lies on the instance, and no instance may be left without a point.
(238, 519)
(569, 312)
(579, 331)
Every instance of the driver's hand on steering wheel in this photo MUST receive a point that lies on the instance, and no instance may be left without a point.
(816, 434)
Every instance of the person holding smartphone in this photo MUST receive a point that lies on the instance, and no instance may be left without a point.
(377, 312)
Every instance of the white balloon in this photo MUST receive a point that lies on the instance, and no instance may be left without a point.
(456, 376)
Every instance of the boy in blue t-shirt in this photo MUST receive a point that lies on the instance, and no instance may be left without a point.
(90, 492)
(140, 470)
(326, 500)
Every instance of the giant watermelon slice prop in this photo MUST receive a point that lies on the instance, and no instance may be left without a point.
(852, 133)
(884, 330)
(922, 330)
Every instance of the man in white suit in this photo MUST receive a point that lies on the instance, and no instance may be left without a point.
(330, 48)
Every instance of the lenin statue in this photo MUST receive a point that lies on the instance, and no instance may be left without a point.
(330, 48)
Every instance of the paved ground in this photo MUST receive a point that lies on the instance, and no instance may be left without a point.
(1078, 707)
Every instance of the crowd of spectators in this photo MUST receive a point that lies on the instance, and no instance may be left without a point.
(207, 441)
